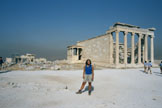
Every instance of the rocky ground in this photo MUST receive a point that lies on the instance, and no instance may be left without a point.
(112, 88)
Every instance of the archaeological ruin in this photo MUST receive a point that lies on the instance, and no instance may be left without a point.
(106, 50)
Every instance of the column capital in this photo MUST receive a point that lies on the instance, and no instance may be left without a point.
(133, 33)
(117, 31)
(140, 34)
(125, 33)
(140, 37)
(152, 36)
(146, 35)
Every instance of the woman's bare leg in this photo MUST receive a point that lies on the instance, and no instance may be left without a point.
(89, 87)
(82, 86)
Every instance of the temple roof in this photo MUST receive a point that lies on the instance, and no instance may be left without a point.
(125, 25)
(74, 46)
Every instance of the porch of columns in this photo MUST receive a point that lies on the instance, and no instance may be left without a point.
(132, 49)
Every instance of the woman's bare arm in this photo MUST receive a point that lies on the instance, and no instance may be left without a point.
(84, 72)
(92, 72)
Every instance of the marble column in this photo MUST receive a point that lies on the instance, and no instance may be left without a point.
(21, 60)
(146, 48)
(77, 51)
(132, 49)
(152, 49)
(117, 48)
(143, 52)
(71, 53)
(139, 48)
(125, 47)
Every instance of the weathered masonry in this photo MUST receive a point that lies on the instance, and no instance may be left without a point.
(104, 51)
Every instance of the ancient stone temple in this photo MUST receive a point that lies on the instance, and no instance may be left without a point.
(105, 50)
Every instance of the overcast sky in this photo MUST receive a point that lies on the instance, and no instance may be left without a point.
(47, 27)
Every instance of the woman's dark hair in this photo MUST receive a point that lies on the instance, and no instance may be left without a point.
(87, 61)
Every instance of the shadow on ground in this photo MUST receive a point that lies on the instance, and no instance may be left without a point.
(4, 71)
(143, 71)
(158, 74)
(155, 73)
(86, 89)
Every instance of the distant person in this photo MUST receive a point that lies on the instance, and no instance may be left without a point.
(1, 62)
(161, 67)
(145, 66)
(149, 67)
(88, 76)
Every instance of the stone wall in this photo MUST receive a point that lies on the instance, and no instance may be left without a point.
(97, 49)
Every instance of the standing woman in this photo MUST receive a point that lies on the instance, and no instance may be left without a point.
(1, 62)
(149, 67)
(145, 66)
(88, 76)
(161, 67)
